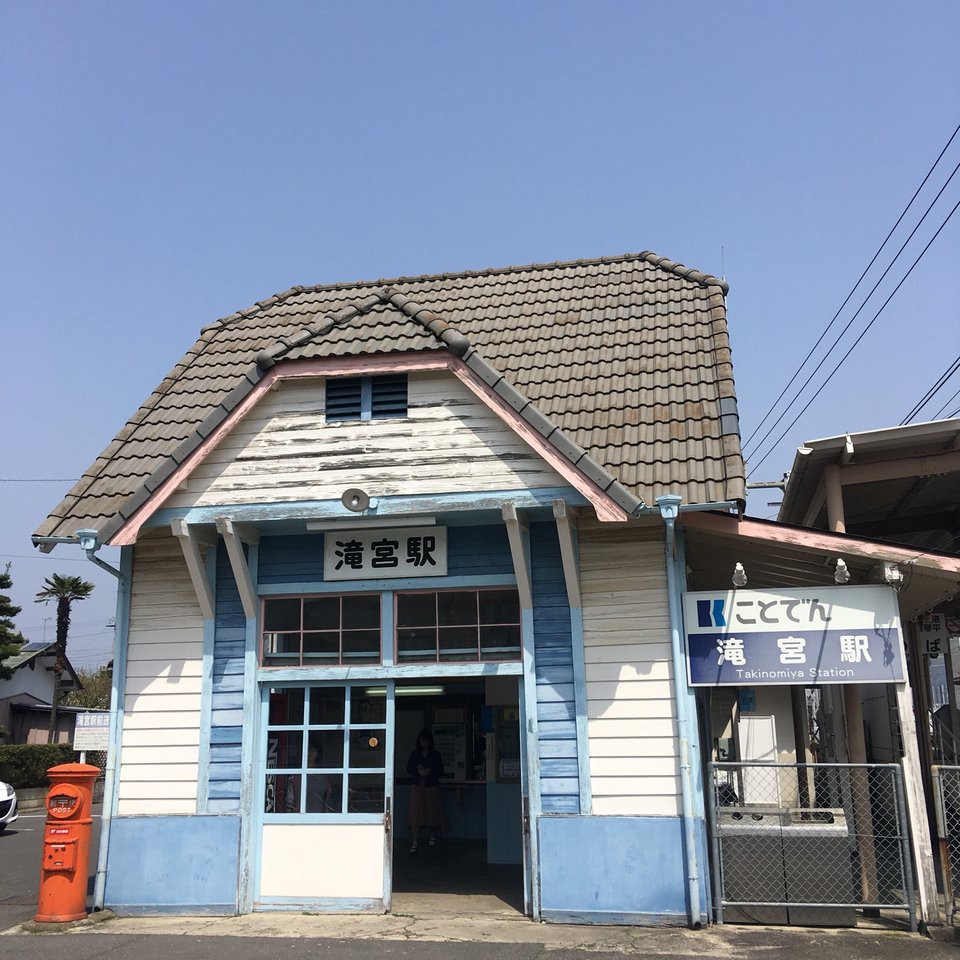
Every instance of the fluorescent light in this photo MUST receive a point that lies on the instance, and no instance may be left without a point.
(374, 523)
(428, 691)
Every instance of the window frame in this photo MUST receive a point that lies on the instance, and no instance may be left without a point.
(437, 627)
(340, 662)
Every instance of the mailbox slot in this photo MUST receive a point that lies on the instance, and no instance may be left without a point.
(60, 855)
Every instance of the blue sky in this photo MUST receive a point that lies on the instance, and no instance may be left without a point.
(167, 164)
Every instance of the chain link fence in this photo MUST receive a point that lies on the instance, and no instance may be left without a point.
(946, 794)
(809, 844)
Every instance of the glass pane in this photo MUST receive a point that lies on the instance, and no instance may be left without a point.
(361, 646)
(368, 709)
(281, 614)
(286, 706)
(499, 643)
(284, 748)
(321, 647)
(324, 793)
(282, 793)
(457, 608)
(361, 612)
(416, 609)
(458, 643)
(325, 748)
(368, 748)
(416, 644)
(326, 705)
(499, 606)
(281, 649)
(321, 613)
(365, 793)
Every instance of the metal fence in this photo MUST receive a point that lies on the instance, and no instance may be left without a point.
(946, 794)
(809, 844)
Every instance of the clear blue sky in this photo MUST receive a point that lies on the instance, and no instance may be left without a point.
(165, 164)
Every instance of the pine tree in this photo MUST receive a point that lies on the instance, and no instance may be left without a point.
(10, 638)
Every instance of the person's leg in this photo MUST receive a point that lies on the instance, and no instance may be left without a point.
(414, 817)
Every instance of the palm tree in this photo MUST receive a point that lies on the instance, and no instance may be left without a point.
(65, 590)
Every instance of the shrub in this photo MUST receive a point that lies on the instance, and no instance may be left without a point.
(25, 764)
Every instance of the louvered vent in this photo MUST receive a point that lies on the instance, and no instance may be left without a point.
(344, 398)
(388, 396)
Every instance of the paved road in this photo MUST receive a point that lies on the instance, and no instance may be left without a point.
(21, 845)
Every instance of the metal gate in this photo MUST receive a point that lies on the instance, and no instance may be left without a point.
(946, 793)
(809, 844)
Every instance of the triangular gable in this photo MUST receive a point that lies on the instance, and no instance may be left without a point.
(445, 348)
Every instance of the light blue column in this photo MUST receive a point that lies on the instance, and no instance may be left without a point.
(206, 686)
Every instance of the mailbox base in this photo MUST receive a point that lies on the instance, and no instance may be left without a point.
(59, 918)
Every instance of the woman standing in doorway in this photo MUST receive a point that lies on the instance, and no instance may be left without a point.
(426, 810)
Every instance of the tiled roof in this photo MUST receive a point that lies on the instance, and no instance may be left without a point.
(628, 356)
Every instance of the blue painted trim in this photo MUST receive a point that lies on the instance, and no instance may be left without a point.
(174, 910)
(249, 748)
(366, 398)
(259, 800)
(580, 694)
(111, 787)
(597, 917)
(387, 618)
(389, 760)
(206, 687)
(323, 905)
(396, 672)
(533, 739)
(491, 500)
(693, 731)
(299, 588)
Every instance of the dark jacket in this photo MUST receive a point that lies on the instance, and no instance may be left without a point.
(432, 761)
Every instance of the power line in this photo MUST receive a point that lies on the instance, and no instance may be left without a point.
(866, 299)
(936, 416)
(853, 289)
(43, 556)
(38, 479)
(855, 342)
(929, 395)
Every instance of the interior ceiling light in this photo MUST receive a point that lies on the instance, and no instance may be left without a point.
(426, 691)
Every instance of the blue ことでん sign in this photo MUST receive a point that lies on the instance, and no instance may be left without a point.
(804, 636)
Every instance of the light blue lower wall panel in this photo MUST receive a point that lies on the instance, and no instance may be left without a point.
(615, 870)
(173, 865)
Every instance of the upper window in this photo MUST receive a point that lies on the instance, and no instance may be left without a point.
(321, 631)
(458, 625)
(366, 398)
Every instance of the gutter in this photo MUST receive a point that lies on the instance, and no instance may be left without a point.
(669, 510)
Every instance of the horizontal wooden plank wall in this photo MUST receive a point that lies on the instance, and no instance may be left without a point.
(553, 657)
(630, 701)
(226, 713)
(161, 722)
(284, 450)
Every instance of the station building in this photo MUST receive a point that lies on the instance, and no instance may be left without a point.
(470, 503)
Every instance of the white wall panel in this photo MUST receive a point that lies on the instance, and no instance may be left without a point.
(630, 696)
(161, 724)
(322, 860)
(285, 450)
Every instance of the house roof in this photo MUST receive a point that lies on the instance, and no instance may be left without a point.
(622, 362)
(35, 649)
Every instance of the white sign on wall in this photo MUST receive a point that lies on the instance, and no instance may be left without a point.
(379, 554)
(932, 628)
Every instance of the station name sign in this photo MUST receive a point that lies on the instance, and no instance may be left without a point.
(385, 554)
(801, 636)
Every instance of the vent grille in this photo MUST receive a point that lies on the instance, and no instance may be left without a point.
(344, 398)
(388, 397)
(366, 398)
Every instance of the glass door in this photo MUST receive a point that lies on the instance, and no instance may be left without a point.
(325, 796)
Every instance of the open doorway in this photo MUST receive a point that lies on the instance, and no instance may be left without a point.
(469, 857)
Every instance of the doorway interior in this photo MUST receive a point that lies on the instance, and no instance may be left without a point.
(476, 864)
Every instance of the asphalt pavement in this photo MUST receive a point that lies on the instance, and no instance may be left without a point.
(21, 846)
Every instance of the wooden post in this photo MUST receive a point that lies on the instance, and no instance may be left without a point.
(951, 693)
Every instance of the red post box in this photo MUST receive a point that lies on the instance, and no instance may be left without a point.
(66, 843)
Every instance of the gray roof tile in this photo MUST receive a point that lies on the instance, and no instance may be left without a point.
(628, 356)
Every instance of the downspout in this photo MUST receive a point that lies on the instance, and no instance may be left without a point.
(669, 509)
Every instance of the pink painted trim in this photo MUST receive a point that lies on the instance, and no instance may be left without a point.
(607, 509)
(729, 526)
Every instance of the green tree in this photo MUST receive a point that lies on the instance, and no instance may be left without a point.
(66, 591)
(10, 638)
(95, 694)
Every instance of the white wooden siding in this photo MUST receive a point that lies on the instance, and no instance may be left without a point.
(161, 722)
(630, 696)
(284, 450)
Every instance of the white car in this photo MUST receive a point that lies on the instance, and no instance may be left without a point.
(8, 805)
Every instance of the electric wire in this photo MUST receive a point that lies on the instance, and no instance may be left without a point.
(936, 416)
(853, 289)
(857, 341)
(833, 346)
(932, 392)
